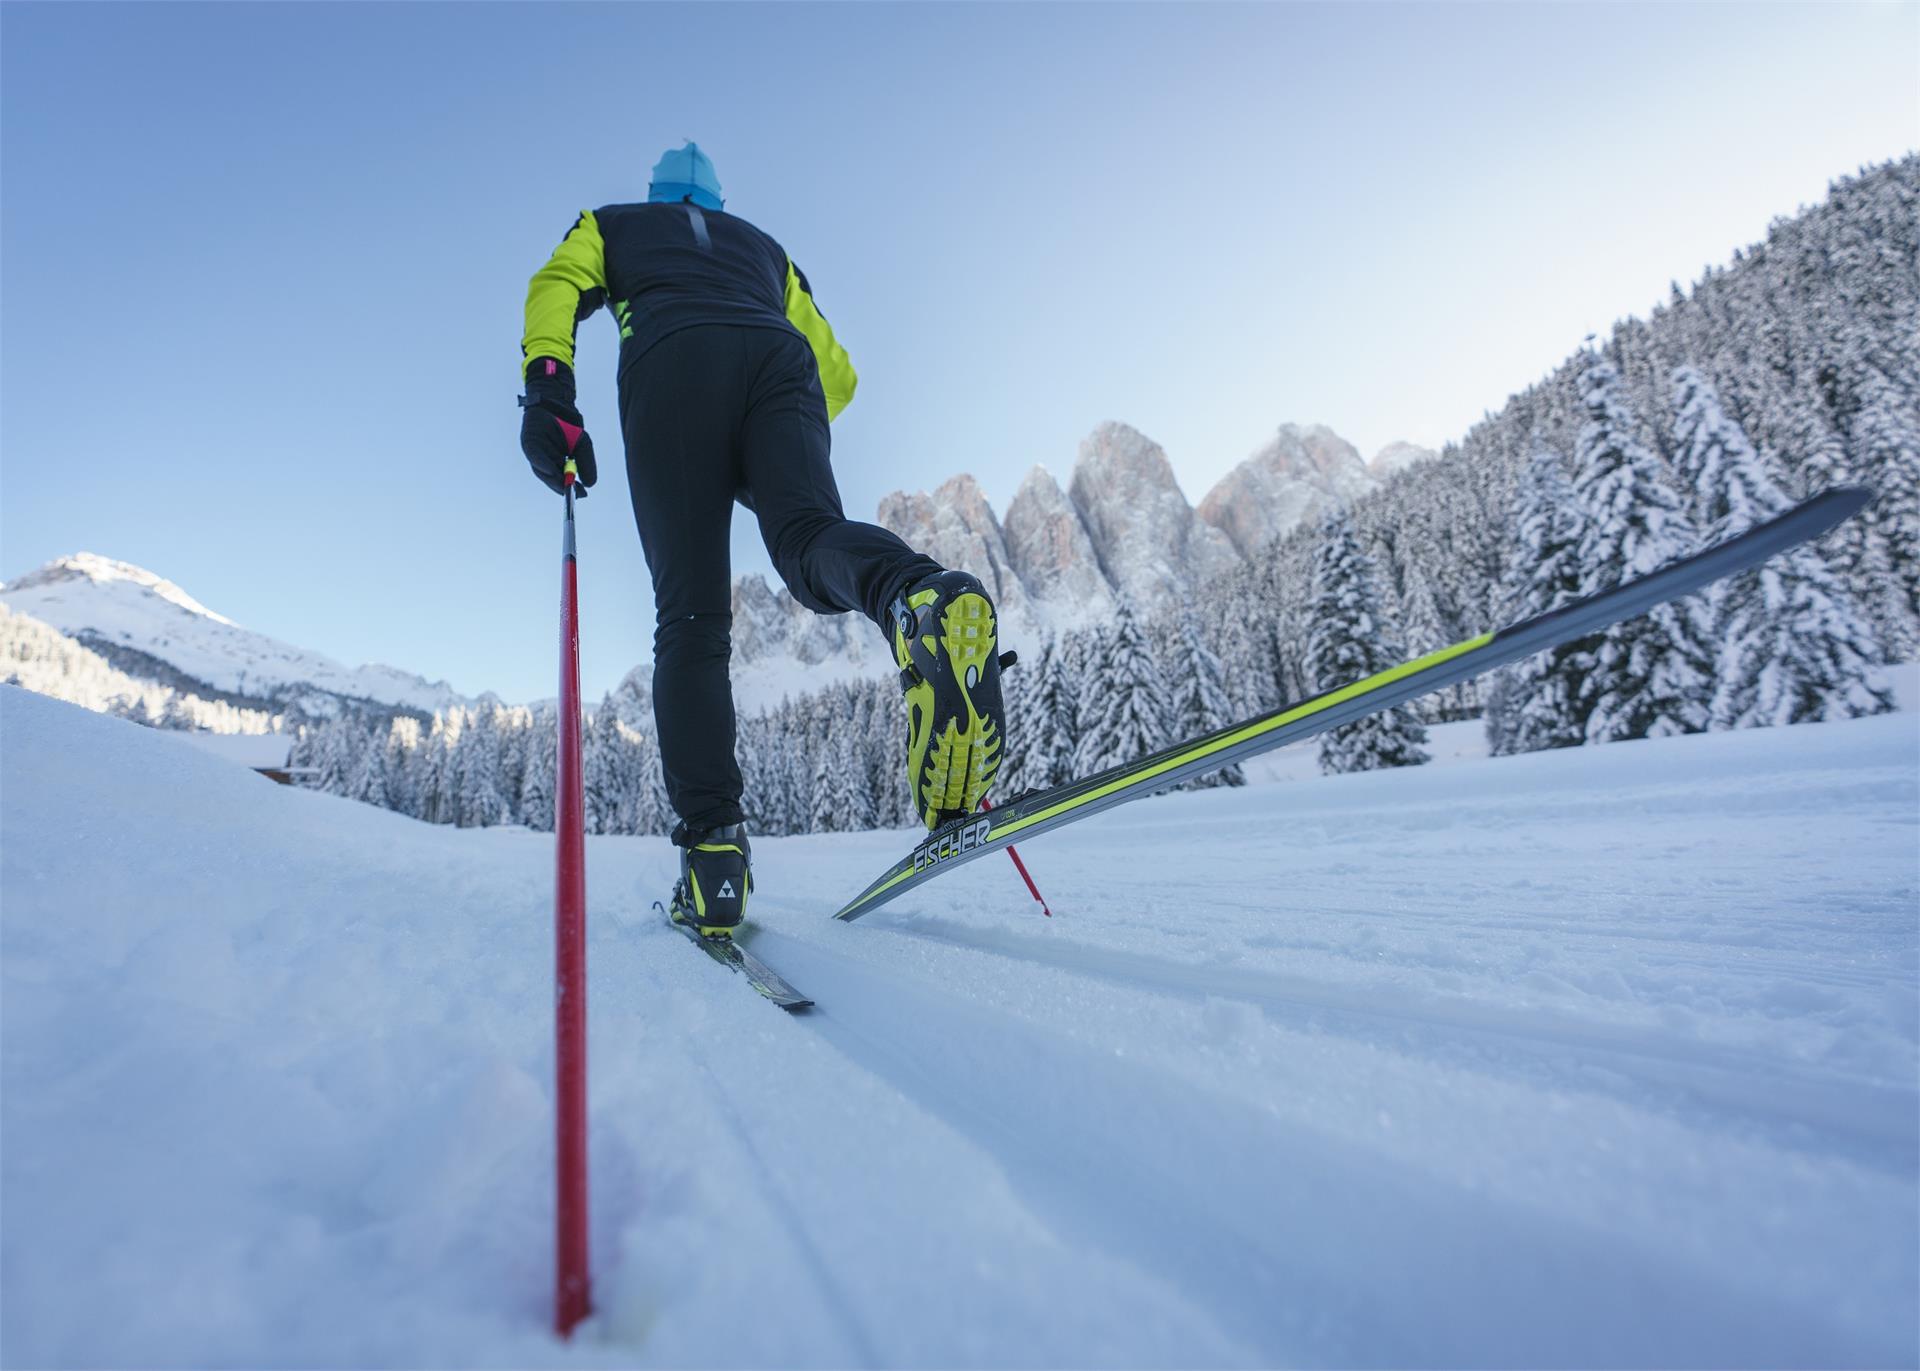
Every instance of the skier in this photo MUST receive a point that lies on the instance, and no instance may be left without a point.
(728, 378)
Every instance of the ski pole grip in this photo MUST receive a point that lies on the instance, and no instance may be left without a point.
(570, 472)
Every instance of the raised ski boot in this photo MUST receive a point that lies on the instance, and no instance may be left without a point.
(716, 876)
(946, 646)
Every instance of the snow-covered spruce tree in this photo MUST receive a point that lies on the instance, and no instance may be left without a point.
(403, 742)
(603, 771)
(537, 782)
(647, 810)
(435, 770)
(1717, 465)
(1349, 642)
(1413, 608)
(1652, 674)
(1244, 646)
(1792, 647)
(873, 732)
(1083, 654)
(1015, 690)
(334, 755)
(751, 748)
(1884, 435)
(1055, 748)
(1040, 735)
(476, 766)
(1123, 705)
(1539, 702)
(1199, 701)
(373, 781)
(515, 727)
(787, 784)
(840, 803)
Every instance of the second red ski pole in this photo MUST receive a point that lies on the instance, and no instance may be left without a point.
(1021, 867)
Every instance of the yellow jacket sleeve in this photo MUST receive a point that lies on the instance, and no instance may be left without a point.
(837, 376)
(572, 285)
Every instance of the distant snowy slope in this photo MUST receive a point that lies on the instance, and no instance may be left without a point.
(140, 621)
(1605, 1056)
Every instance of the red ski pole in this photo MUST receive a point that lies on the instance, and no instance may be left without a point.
(572, 1286)
(1021, 867)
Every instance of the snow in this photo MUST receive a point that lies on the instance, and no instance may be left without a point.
(1604, 1056)
(252, 750)
(112, 576)
(1397, 457)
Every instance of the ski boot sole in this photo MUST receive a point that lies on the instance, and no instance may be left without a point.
(955, 743)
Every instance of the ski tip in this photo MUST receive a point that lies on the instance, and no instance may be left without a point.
(1841, 502)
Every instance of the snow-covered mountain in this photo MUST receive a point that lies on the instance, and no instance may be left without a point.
(151, 629)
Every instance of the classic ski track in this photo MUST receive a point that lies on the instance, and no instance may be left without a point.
(1877, 1118)
(1208, 1183)
(638, 942)
(852, 1327)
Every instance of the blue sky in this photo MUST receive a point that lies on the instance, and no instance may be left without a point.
(263, 265)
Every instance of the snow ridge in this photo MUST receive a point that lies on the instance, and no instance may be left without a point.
(92, 568)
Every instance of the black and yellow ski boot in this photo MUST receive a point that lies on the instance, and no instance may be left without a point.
(716, 876)
(946, 646)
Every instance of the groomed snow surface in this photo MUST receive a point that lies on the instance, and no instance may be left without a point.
(1603, 1057)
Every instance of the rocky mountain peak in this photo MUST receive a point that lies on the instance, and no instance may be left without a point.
(1300, 473)
(956, 527)
(1052, 553)
(1151, 545)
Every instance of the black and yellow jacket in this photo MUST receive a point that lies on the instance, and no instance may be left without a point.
(664, 267)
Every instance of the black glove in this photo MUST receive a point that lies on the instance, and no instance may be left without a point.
(550, 426)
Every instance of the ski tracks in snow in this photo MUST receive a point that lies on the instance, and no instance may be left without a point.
(1643, 1064)
(1305, 1243)
(1455, 1070)
(1598, 1057)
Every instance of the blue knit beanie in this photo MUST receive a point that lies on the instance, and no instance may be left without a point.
(685, 174)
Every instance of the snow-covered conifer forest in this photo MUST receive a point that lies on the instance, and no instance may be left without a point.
(1793, 368)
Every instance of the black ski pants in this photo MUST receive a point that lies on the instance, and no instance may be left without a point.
(711, 415)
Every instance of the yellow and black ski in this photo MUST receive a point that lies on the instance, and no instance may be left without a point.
(974, 836)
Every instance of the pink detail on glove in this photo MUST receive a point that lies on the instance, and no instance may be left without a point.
(573, 434)
(553, 367)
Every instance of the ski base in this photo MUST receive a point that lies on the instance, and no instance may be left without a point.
(730, 954)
